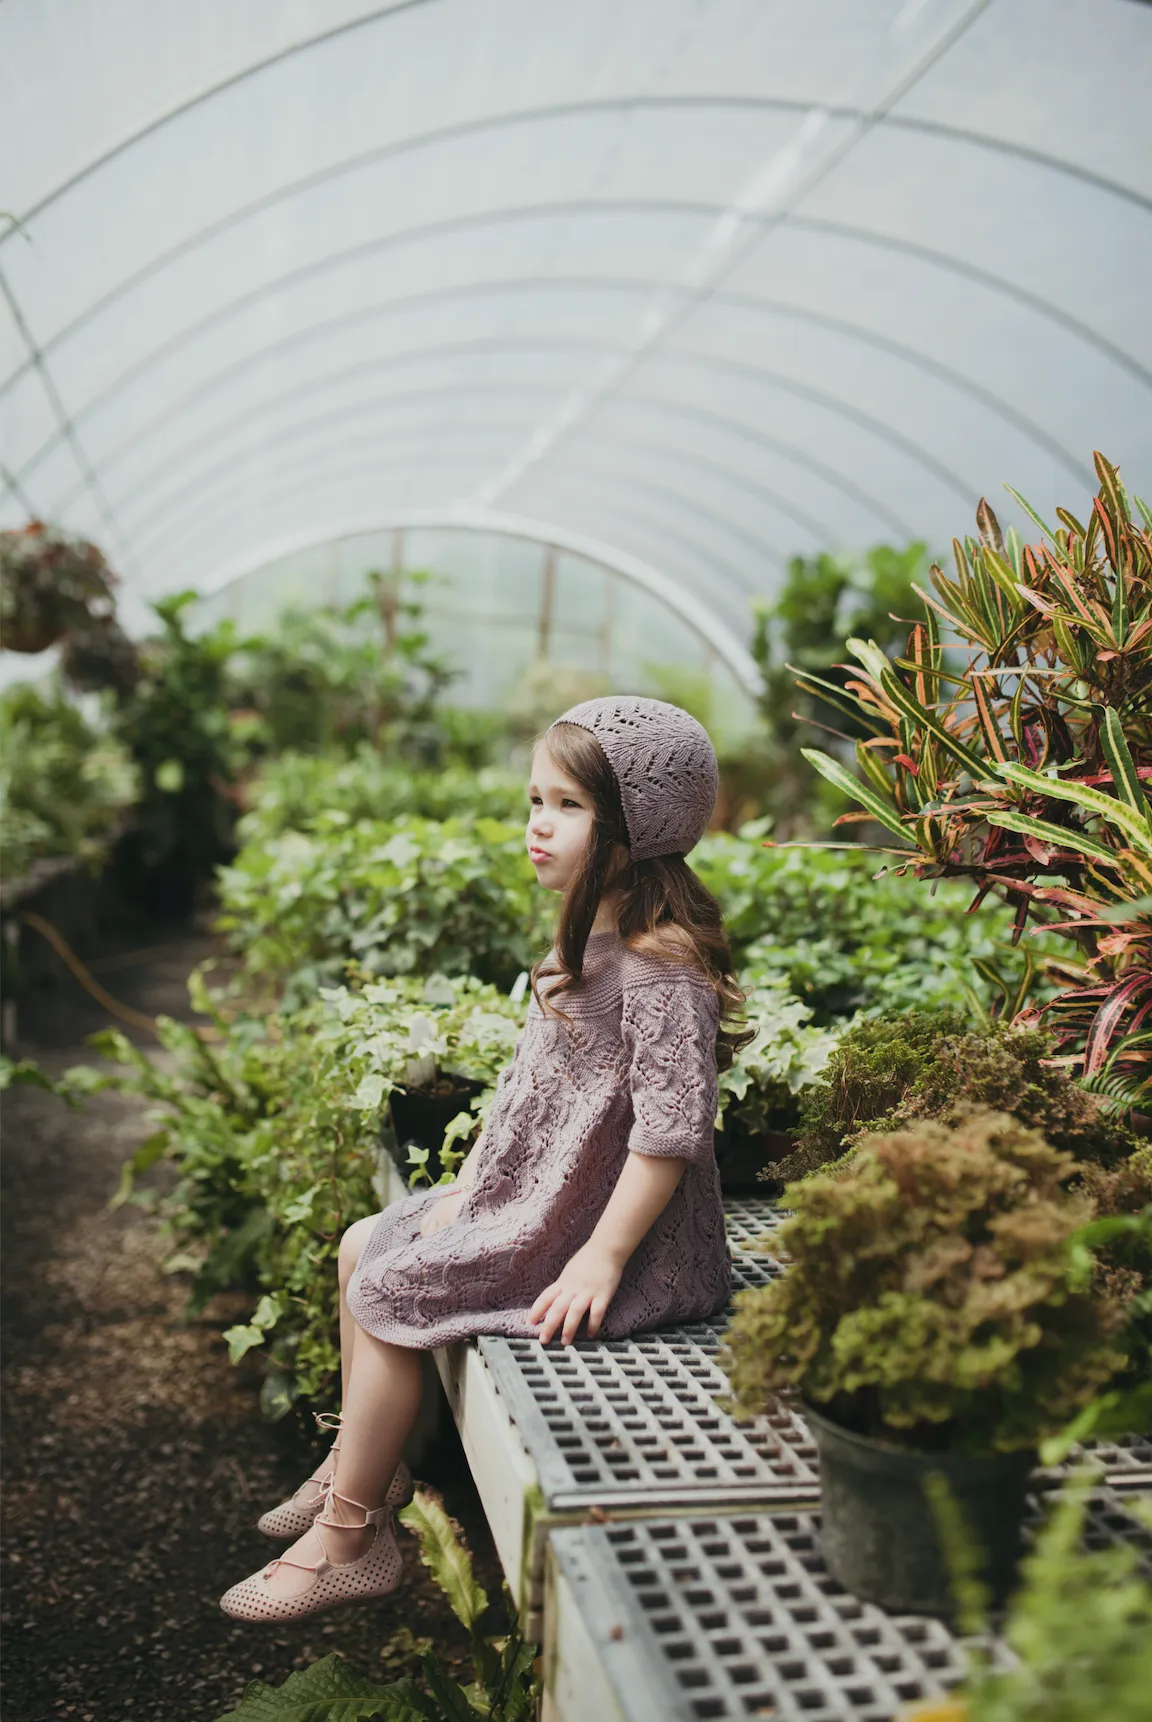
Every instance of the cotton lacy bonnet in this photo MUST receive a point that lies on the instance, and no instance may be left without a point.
(665, 765)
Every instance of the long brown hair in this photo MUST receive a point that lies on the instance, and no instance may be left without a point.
(662, 907)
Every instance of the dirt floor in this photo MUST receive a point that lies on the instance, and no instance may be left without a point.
(135, 1459)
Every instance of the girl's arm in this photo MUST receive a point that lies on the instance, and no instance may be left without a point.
(589, 1280)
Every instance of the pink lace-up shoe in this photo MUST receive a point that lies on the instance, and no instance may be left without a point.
(377, 1573)
(295, 1515)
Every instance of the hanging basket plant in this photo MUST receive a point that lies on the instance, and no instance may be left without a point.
(50, 583)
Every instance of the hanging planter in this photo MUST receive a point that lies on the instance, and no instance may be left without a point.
(50, 583)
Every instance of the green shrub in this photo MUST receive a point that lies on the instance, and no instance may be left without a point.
(406, 896)
(1080, 1628)
(292, 790)
(845, 940)
(889, 1071)
(64, 785)
(936, 1293)
(273, 1133)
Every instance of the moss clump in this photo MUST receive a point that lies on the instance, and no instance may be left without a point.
(891, 1071)
(934, 1292)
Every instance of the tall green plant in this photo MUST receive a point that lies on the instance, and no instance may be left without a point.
(1029, 770)
(823, 601)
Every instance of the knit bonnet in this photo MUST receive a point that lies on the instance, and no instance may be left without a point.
(664, 763)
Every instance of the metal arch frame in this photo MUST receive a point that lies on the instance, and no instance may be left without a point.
(457, 390)
(739, 480)
(872, 426)
(759, 548)
(538, 284)
(533, 116)
(696, 616)
(536, 212)
(542, 212)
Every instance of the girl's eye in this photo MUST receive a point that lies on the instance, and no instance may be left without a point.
(568, 802)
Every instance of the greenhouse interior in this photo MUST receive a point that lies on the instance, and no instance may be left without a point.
(576, 845)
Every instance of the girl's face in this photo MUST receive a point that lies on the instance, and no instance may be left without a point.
(560, 820)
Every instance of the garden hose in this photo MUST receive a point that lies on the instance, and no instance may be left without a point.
(55, 938)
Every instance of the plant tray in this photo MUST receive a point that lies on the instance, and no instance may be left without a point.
(682, 1619)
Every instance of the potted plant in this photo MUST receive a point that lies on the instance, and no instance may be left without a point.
(433, 1050)
(50, 582)
(760, 1091)
(937, 1317)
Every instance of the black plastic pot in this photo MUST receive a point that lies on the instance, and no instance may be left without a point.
(742, 1155)
(879, 1532)
(422, 1115)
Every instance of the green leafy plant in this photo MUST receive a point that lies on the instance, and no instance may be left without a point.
(824, 599)
(406, 896)
(50, 581)
(760, 1090)
(1079, 1627)
(293, 788)
(505, 1685)
(272, 1129)
(888, 1071)
(935, 1293)
(843, 939)
(328, 678)
(65, 785)
(1029, 771)
(176, 726)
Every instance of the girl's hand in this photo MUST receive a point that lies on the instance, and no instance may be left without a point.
(442, 1213)
(586, 1286)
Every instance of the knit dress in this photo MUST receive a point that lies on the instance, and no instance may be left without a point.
(634, 1070)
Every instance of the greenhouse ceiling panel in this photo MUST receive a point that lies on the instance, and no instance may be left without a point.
(709, 283)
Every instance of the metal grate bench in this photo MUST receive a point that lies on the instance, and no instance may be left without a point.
(726, 1616)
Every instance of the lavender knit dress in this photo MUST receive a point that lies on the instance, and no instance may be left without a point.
(634, 1070)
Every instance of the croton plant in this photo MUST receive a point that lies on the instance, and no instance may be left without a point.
(1028, 768)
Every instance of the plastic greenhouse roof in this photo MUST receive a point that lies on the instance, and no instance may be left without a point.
(707, 282)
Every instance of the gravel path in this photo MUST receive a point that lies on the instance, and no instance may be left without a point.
(135, 1458)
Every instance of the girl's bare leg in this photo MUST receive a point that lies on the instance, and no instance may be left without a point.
(351, 1246)
(383, 1386)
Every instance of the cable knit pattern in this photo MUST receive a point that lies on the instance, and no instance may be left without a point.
(665, 766)
(634, 1069)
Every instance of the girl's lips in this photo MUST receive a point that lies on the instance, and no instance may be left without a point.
(539, 855)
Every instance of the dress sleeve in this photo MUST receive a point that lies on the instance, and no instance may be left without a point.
(669, 1033)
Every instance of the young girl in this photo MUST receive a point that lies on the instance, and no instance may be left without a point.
(592, 1195)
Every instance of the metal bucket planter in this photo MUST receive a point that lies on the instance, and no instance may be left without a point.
(879, 1532)
(422, 1115)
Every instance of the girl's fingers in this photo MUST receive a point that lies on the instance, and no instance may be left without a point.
(554, 1317)
(542, 1302)
(575, 1316)
(596, 1315)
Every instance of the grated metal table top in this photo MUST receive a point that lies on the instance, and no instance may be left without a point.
(638, 1422)
(725, 1617)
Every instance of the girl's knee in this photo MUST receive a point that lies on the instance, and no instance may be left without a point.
(352, 1243)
